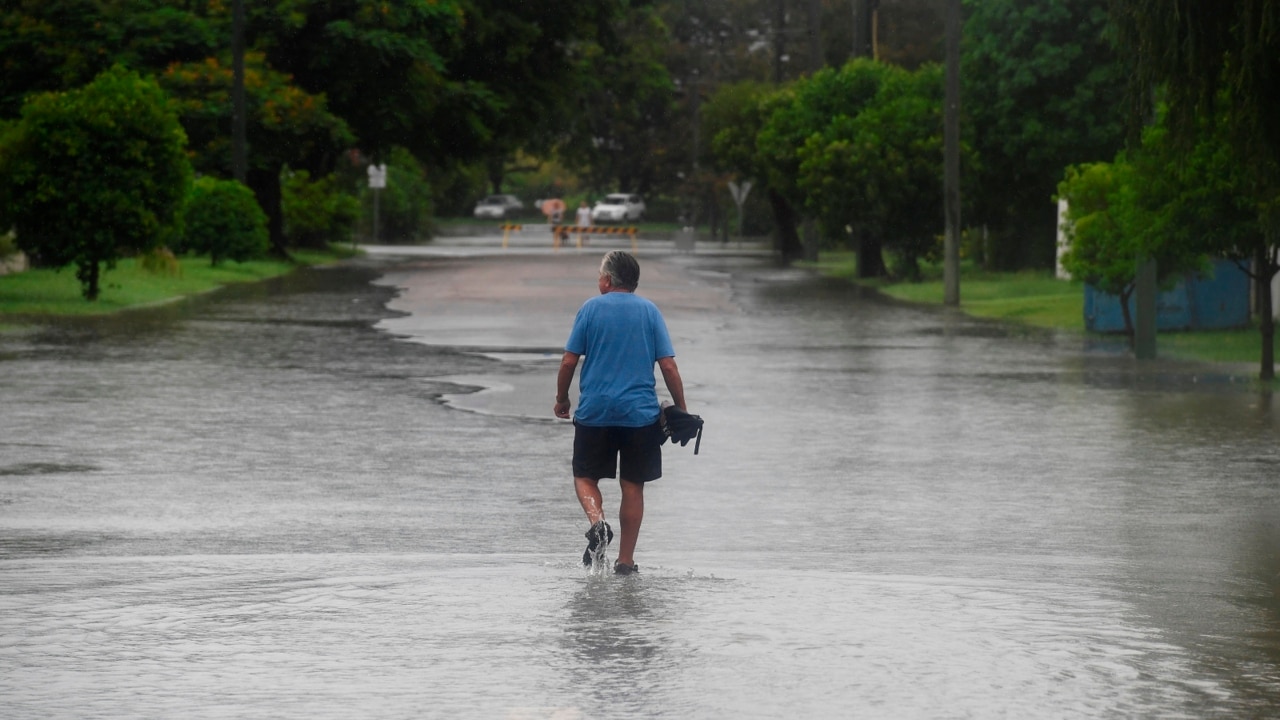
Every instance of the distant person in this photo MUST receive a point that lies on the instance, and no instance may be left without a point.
(583, 221)
(553, 209)
(617, 432)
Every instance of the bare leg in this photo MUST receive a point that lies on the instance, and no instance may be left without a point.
(589, 496)
(630, 515)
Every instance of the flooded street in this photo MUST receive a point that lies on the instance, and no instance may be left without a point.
(343, 494)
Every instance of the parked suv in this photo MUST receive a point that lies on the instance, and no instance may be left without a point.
(499, 207)
(618, 207)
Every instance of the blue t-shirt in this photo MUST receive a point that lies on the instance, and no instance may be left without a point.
(620, 336)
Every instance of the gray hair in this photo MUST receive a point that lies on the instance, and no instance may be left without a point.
(622, 269)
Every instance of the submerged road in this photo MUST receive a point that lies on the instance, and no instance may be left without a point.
(343, 494)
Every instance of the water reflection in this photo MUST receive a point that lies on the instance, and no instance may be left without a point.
(617, 652)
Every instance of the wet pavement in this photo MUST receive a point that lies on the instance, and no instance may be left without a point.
(342, 494)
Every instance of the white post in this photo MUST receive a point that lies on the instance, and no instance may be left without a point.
(377, 181)
(1061, 272)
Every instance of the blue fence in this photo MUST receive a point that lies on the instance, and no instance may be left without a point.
(1215, 300)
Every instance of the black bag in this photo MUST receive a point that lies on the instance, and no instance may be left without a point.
(681, 427)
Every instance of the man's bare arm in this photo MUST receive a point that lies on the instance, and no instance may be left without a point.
(675, 386)
(568, 364)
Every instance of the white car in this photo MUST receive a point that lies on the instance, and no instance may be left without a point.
(618, 207)
(499, 207)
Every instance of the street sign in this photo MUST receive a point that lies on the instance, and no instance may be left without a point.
(378, 176)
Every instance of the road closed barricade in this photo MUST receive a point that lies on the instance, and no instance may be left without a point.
(560, 233)
(507, 229)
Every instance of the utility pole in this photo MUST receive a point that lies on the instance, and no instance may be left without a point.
(951, 160)
(810, 238)
(239, 151)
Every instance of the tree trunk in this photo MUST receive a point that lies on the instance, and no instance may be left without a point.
(89, 274)
(495, 168)
(265, 184)
(787, 239)
(1128, 316)
(870, 256)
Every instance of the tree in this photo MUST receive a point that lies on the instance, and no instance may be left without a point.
(381, 66)
(95, 172)
(223, 220)
(453, 81)
(622, 131)
(317, 212)
(56, 45)
(879, 171)
(405, 206)
(1042, 89)
(1151, 203)
(50, 45)
(288, 127)
(1218, 61)
(734, 119)
(911, 32)
(807, 107)
(1101, 232)
(535, 91)
(731, 119)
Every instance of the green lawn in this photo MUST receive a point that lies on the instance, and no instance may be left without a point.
(1034, 298)
(1041, 300)
(57, 292)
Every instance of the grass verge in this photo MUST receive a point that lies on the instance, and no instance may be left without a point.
(1039, 299)
(44, 292)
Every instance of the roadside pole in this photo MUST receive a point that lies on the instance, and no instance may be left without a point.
(739, 193)
(951, 160)
(377, 181)
(1146, 307)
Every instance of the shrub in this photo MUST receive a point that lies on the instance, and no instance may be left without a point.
(223, 220)
(405, 208)
(316, 212)
(160, 261)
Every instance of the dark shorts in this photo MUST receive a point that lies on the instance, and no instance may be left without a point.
(596, 452)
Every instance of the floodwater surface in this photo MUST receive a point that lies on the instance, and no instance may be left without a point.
(343, 494)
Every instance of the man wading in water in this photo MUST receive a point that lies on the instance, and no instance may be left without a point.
(621, 335)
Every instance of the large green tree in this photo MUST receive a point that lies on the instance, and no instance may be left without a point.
(95, 172)
(381, 66)
(808, 107)
(620, 131)
(1218, 62)
(879, 171)
(288, 127)
(531, 59)
(1119, 213)
(1042, 89)
(48, 45)
(451, 80)
(730, 122)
